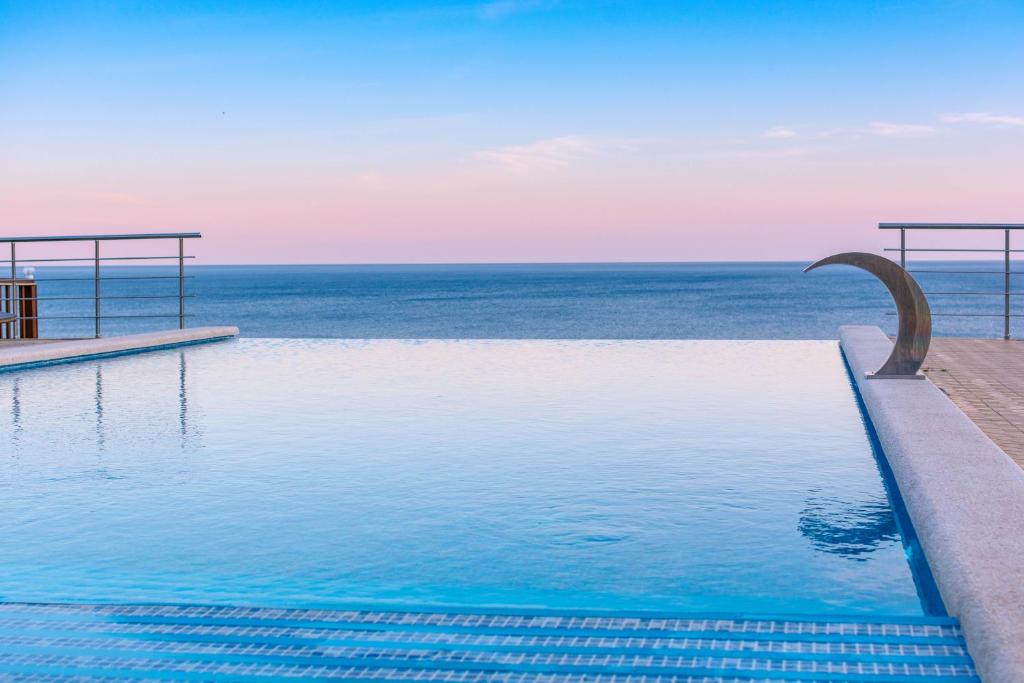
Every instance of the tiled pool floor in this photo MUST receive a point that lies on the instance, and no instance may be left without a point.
(166, 642)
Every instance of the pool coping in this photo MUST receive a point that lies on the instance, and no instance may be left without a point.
(965, 497)
(32, 355)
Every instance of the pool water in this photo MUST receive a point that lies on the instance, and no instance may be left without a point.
(642, 475)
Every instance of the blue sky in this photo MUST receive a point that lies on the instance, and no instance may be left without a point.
(329, 114)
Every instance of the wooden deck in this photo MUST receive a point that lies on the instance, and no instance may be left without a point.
(985, 378)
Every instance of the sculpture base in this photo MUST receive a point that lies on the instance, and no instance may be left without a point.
(872, 375)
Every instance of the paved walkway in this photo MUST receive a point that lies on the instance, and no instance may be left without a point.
(985, 378)
(16, 355)
(11, 343)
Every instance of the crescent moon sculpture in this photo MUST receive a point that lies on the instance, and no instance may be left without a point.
(915, 318)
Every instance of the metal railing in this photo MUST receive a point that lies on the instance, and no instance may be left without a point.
(95, 260)
(1007, 292)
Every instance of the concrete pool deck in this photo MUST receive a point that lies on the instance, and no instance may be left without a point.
(965, 497)
(17, 355)
(985, 379)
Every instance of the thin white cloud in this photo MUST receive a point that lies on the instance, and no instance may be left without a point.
(779, 133)
(549, 153)
(901, 130)
(984, 119)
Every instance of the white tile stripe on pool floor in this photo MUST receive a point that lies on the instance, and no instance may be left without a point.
(169, 642)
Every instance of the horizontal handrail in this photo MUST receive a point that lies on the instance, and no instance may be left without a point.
(105, 238)
(962, 272)
(960, 315)
(108, 296)
(994, 251)
(116, 277)
(975, 293)
(89, 317)
(951, 226)
(93, 259)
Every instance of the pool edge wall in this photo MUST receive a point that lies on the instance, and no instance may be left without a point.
(30, 355)
(965, 497)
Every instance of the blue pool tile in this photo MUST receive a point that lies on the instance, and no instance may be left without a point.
(175, 642)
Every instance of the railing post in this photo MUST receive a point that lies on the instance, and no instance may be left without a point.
(181, 283)
(903, 248)
(1006, 284)
(96, 282)
(12, 296)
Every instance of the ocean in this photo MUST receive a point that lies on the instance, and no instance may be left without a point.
(519, 301)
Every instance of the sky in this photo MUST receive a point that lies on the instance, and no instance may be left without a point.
(510, 130)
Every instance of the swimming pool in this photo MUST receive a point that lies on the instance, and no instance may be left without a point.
(665, 475)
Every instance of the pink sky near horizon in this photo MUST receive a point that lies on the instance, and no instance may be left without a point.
(616, 206)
